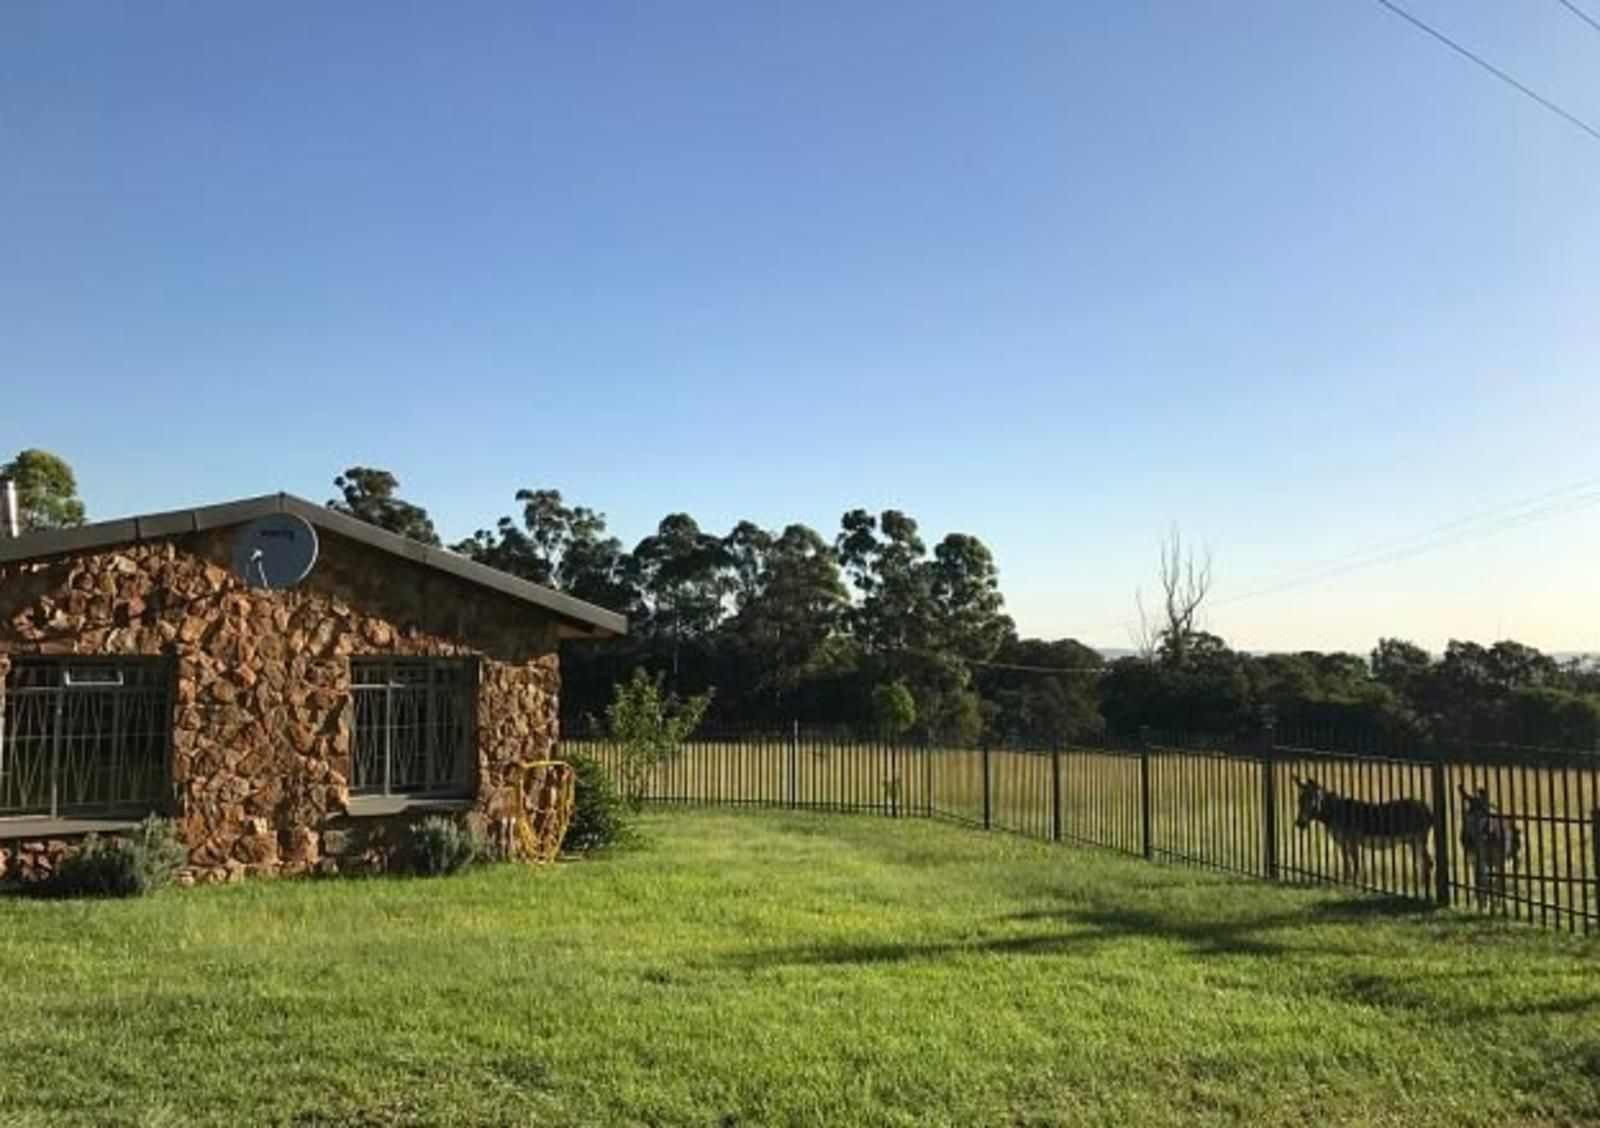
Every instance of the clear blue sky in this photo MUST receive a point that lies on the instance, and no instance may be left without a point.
(1056, 274)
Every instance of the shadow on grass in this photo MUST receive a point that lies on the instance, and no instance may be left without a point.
(852, 953)
(1080, 927)
(1084, 928)
(1432, 993)
(1306, 951)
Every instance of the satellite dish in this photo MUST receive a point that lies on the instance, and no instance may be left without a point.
(276, 551)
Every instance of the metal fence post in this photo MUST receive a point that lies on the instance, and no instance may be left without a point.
(1441, 837)
(1055, 790)
(1594, 844)
(1145, 810)
(987, 805)
(894, 777)
(794, 764)
(927, 776)
(1269, 801)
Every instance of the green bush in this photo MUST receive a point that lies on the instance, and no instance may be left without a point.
(600, 815)
(649, 725)
(441, 845)
(146, 859)
(894, 710)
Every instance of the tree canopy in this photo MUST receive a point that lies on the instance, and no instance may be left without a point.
(47, 491)
(372, 496)
(872, 628)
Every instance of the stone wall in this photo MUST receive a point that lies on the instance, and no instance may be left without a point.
(261, 736)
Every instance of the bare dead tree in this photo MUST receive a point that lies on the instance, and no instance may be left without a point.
(1185, 584)
(1146, 633)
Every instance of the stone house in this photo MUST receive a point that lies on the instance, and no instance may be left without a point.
(283, 730)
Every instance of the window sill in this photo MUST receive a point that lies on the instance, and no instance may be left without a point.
(372, 806)
(43, 826)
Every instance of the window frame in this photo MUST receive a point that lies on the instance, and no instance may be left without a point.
(71, 695)
(452, 679)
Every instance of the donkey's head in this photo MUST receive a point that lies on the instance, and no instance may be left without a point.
(1311, 794)
(1475, 810)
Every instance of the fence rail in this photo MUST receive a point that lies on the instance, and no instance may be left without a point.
(1236, 805)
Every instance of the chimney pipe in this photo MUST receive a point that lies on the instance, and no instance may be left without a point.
(11, 527)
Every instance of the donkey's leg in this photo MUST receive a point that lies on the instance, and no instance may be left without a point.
(1352, 862)
(1419, 849)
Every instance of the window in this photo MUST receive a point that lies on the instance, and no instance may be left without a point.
(83, 737)
(413, 726)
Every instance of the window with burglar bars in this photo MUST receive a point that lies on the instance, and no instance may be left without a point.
(83, 737)
(413, 726)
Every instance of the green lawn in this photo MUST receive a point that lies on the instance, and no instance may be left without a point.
(1203, 806)
(772, 968)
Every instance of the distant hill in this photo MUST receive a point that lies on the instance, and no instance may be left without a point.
(1112, 653)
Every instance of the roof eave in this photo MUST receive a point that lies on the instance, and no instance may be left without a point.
(582, 620)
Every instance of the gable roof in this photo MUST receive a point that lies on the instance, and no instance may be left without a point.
(586, 617)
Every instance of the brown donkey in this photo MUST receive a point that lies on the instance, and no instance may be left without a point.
(1355, 823)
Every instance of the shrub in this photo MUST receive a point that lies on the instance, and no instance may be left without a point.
(442, 845)
(495, 841)
(600, 815)
(148, 858)
(649, 725)
(894, 710)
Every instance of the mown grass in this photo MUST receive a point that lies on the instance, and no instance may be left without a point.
(1205, 807)
(776, 968)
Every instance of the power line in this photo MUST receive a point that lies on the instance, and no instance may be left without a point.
(1509, 522)
(1570, 118)
(1494, 512)
(1024, 667)
(1580, 13)
(1096, 670)
(1553, 503)
(1484, 522)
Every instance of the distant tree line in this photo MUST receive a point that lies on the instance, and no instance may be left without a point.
(872, 627)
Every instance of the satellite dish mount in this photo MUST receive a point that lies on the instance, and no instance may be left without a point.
(276, 551)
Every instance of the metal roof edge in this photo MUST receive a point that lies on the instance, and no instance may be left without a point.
(155, 526)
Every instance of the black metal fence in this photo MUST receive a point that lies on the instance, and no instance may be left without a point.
(1232, 805)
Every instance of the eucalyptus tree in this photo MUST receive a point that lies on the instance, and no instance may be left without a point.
(372, 495)
(47, 491)
(788, 626)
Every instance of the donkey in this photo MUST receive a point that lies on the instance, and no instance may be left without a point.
(1355, 823)
(1492, 842)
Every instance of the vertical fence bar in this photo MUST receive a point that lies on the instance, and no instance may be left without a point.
(1594, 845)
(794, 764)
(894, 778)
(1555, 851)
(1534, 844)
(927, 777)
(1269, 803)
(1577, 896)
(1591, 855)
(1145, 809)
(1055, 790)
(1441, 833)
(988, 797)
